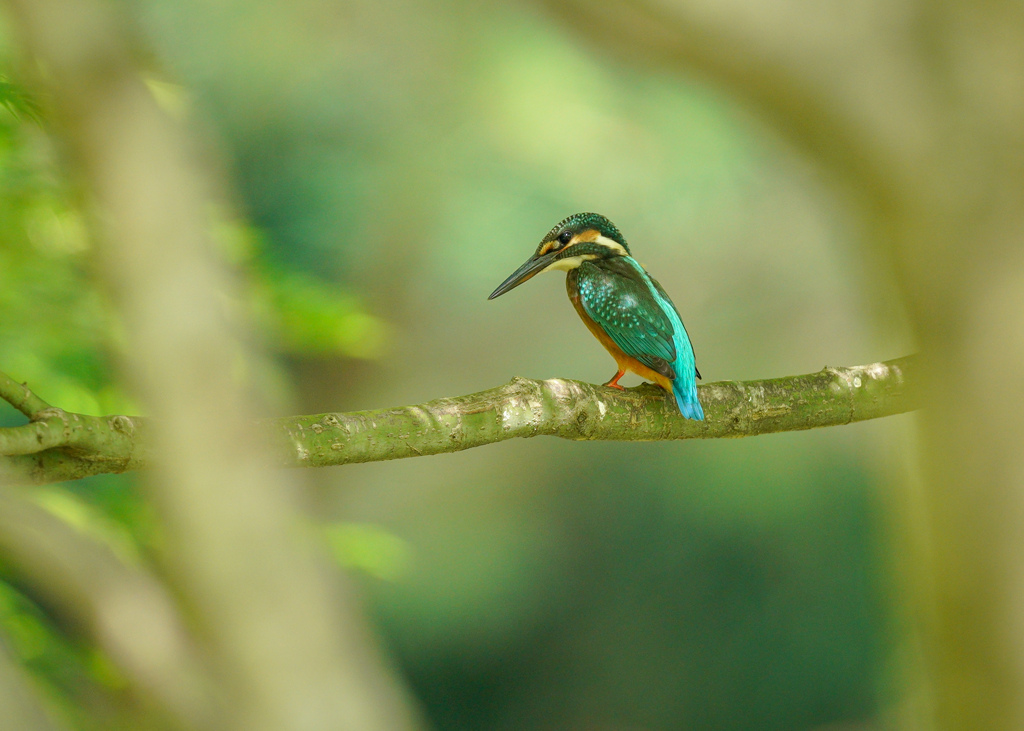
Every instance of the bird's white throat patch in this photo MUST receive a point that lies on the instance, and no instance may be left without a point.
(568, 263)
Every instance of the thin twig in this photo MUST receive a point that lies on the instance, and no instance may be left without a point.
(20, 397)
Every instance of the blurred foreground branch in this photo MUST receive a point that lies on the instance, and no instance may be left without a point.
(282, 633)
(20, 705)
(914, 109)
(122, 609)
(59, 446)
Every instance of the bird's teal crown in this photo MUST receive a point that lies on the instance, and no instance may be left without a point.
(579, 222)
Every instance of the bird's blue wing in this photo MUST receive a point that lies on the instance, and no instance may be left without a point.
(617, 298)
(668, 300)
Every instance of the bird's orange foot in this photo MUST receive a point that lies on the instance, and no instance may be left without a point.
(614, 383)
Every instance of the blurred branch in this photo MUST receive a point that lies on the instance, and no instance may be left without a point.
(520, 408)
(918, 105)
(826, 75)
(279, 627)
(121, 609)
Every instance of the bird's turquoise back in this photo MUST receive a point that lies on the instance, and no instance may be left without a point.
(684, 385)
(637, 315)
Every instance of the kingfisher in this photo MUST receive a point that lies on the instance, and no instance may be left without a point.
(620, 303)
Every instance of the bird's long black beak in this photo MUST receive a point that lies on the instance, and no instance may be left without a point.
(534, 265)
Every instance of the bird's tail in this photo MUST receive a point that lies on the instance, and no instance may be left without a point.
(686, 399)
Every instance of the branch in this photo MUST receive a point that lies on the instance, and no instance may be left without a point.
(520, 408)
(834, 90)
(279, 626)
(18, 396)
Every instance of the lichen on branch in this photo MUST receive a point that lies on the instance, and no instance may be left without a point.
(56, 445)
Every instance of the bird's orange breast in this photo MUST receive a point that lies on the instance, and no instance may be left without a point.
(625, 362)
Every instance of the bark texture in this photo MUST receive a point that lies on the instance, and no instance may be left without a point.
(56, 445)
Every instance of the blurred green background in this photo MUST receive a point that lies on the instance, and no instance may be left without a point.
(390, 163)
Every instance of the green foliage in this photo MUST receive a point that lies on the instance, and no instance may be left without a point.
(296, 312)
(370, 549)
(86, 517)
(67, 674)
(54, 321)
(58, 332)
(306, 315)
(18, 102)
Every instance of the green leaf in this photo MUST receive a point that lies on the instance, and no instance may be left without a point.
(18, 102)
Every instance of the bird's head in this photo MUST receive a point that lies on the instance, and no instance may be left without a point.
(579, 238)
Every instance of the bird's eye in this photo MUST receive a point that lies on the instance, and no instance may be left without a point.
(565, 237)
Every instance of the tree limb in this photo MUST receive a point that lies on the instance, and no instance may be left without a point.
(521, 408)
(18, 396)
(279, 626)
(886, 96)
(842, 83)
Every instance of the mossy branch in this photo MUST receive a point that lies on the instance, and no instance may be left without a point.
(56, 445)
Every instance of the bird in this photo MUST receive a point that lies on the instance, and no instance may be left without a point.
(620, 303)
